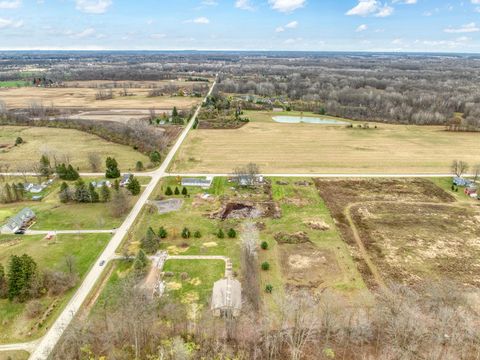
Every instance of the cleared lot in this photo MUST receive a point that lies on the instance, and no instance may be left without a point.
(406, 230)
(313, 148)
(83, 97)
(76, 145)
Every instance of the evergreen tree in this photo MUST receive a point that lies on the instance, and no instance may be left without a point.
(105, 193)
(169, 191)
(112, 171)
(21, 274)
(18, 141)
(15, 195)
(64, 193)
(61, 171)
(94, 197)
(140, 262)
(232, 233)
(186, 233)
(139, 166)
(162, 233)
(45, 168)
(82, 194)
(134, 186)
(220, 234)
(8, 193)
(71, 173)
(184, 191)
(150, 242)
(21, 191)
(155, 157)
(197, 234)
(3, 283)
(177, 192)
(116, 185)
(174, 112)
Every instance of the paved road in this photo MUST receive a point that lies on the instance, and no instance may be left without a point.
(57, 232)
(48, 342)
(27, 346)
(87, 174)
(315, 175)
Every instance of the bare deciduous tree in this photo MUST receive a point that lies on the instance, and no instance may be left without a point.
(94, 161)
(459, 167)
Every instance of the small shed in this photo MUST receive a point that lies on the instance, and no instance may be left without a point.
(19, 221)
(196, 182)
(227, 298)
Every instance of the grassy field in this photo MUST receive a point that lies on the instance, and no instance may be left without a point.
(83, 97)
(197, 285)
(313, 148)
(61, 142)
(14, 84)
(16, 326)
(14, 355)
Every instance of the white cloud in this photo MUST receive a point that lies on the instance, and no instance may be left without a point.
(286, 5)
(83, 34)
(370, 7)
(290, 25)
(9, 23)
(407, 2)
(200, 20)
(93, 6)
(467, 28)
(361, 28)
(385, 11)
(209, 3)
(244, 5)
(13, 4)
(158, 36)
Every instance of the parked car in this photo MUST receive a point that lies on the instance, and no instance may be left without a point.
(20, 232)
(102, 262)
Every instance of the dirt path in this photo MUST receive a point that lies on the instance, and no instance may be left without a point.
(361, 247)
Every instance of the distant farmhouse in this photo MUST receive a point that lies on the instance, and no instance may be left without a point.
(227, 298)
(203, 183)
(18, 222)
(125, 180)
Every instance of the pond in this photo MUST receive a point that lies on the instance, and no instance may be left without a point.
(308, 120)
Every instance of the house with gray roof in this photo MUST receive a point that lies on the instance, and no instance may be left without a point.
(19, 221)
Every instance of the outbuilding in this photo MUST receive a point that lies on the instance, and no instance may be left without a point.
(196, 182)
(227, 298)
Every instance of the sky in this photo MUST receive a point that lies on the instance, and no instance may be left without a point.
(297, 25)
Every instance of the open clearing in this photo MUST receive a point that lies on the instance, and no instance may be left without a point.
(313, 148)
(409, 230)
(84, 97)
(62, 142)
(49, 254)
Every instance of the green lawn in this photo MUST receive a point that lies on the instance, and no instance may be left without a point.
(14, 83)
(197, 287)
(48, 254)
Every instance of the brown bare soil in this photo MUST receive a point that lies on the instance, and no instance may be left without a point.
(411, 242)
(305, 265)
(409, 230)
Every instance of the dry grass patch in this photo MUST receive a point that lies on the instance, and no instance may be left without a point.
(313, 148)
(62, 142)
(84, 97)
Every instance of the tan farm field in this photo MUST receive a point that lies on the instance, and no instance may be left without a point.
(313, 148)
(83, 97)
(74, 144)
